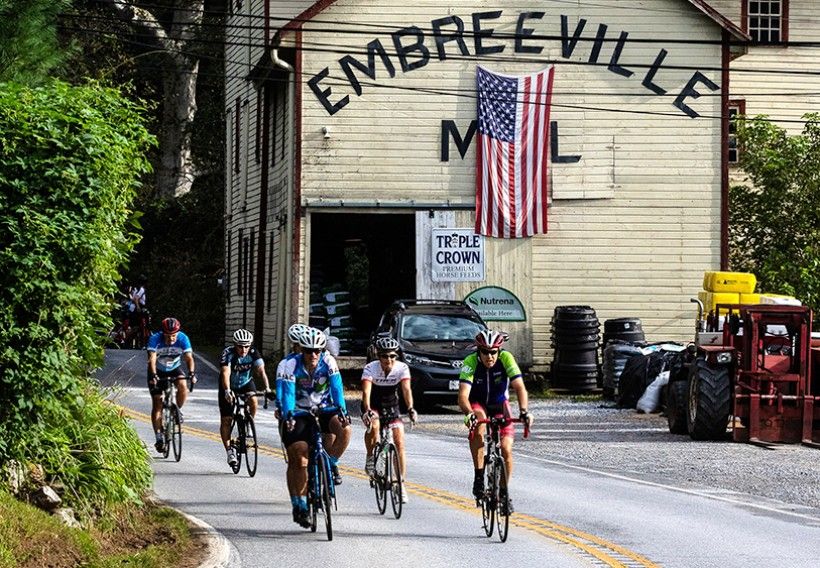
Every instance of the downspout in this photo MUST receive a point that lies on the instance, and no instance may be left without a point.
(724, 152)
(259, 308)
(297, 183)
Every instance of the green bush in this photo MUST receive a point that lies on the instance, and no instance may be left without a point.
(70, 164)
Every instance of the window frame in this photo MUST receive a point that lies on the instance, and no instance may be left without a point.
(784, 22)
(739, 106)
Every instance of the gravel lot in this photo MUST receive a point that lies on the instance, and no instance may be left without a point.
(594, 435)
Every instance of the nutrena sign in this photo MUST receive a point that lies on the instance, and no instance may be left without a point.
(415, 48)
(496, 304)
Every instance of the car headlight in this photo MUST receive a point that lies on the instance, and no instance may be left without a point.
(725, 357)
(416, 359)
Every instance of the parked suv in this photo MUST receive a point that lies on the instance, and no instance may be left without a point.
(435, 336)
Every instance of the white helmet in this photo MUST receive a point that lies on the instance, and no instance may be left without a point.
(295, 332)
(242, 337)
(313, 338)
(387, 344)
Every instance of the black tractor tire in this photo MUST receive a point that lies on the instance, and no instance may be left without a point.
(710, 401)
(676, 404)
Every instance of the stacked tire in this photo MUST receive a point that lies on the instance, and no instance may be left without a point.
(575, 340)
(622, 336)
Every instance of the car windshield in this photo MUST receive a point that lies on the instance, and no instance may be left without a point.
(427, 327)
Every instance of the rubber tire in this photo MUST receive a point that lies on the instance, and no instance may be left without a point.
(168, 430)
(236, 442)
(502, 515)
(487, 505)
(251, 447)
(380, 479)
(176, 433)
(394, 479)
(326, 498)
(676, 406)
(710, 401)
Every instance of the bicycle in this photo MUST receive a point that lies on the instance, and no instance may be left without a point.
(171, 424)
(243, 432)
(495, 502)
(387, 469)
(321, 490)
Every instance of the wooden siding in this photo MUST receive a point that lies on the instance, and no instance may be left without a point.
(633, 225)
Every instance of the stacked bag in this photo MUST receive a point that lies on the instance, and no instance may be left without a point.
(337, 310)
(727, 288)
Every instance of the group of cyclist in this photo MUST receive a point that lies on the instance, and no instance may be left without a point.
(308, 377)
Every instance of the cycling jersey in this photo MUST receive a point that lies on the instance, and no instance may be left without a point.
(490, 387)
(301, 391)
(169, 357)
(240, 366)
(280, 372)
(384, 394)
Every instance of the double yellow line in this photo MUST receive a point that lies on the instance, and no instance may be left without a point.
(608, 553)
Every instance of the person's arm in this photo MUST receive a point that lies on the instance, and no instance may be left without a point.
(407, 393)
(189, 360)
(466, 383)
(521, 394)
(152, 363)
(367, 387)
(259, 369)
(464, 398)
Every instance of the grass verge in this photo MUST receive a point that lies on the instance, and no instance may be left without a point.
(150, 536)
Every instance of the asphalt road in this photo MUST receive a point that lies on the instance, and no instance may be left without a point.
(565, 515)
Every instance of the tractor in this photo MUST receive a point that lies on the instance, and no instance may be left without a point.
(750, 371)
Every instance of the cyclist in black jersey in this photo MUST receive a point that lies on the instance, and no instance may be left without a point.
(485, 380)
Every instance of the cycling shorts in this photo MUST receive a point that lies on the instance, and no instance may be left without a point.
(303, 431)
(507, 431)
(389, 413)
(177, 374)
(225, 408)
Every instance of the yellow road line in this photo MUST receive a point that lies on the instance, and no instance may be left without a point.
(609, 553)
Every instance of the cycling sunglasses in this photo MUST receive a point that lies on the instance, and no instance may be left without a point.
(311, 351)
(388, 356)
(488, 351)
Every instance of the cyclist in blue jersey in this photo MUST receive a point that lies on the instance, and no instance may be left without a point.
(294, 333)
(308, 380)
(484, 385)
(166, 349)
(238, 366)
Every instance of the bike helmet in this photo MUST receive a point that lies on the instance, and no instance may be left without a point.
(170, 325)
(295, 332)
(387, 344)
(242, 337)
(489, 339)
(312, 338)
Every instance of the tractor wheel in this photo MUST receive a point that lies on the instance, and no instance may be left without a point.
(710, 401)
(676, 393)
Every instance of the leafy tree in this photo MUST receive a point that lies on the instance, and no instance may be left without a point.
(70, 164)
(28, 39)
(774, 226)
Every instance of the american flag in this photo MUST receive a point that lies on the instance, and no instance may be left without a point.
(511, 155)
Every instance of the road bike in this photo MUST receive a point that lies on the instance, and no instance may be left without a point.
(243, 432)
(321, 490)
(386, 476)
(495, 501)
(171, 423)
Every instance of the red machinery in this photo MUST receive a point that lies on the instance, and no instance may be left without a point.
(773, 399)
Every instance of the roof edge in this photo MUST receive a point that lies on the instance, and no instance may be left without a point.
(701, 5)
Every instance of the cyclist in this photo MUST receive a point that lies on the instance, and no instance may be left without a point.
(294, 332)
(166, 349)
(380, 396)
(137, 313)
(308, 380)
(238, 365)
(484, 383)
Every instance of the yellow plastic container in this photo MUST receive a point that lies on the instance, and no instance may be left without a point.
(711, 299)
(750, 298)
(736, 282)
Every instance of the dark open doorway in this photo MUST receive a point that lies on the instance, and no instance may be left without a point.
(359, 263)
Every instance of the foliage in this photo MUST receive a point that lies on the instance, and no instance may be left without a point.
(146, 537)
(70, 161)
(774, 227)
(28, 39)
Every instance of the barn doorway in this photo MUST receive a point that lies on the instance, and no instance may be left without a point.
(359, 264)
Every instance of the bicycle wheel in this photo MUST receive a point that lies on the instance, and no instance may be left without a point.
(394, 479)
(325, 498)
(250, 446)
(502, 510)
(487, 505)
(237, 435)
(176, 434)
(312, 498)
(380, 478)
(167, 428)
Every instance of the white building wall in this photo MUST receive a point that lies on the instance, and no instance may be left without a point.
(633, 224)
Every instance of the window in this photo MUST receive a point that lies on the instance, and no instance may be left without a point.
(736, 108)
(766, 20)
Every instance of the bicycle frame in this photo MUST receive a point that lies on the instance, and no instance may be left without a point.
(170, 421)
(243, 421)
(495, 501)
(321, 490)
(387, 469)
